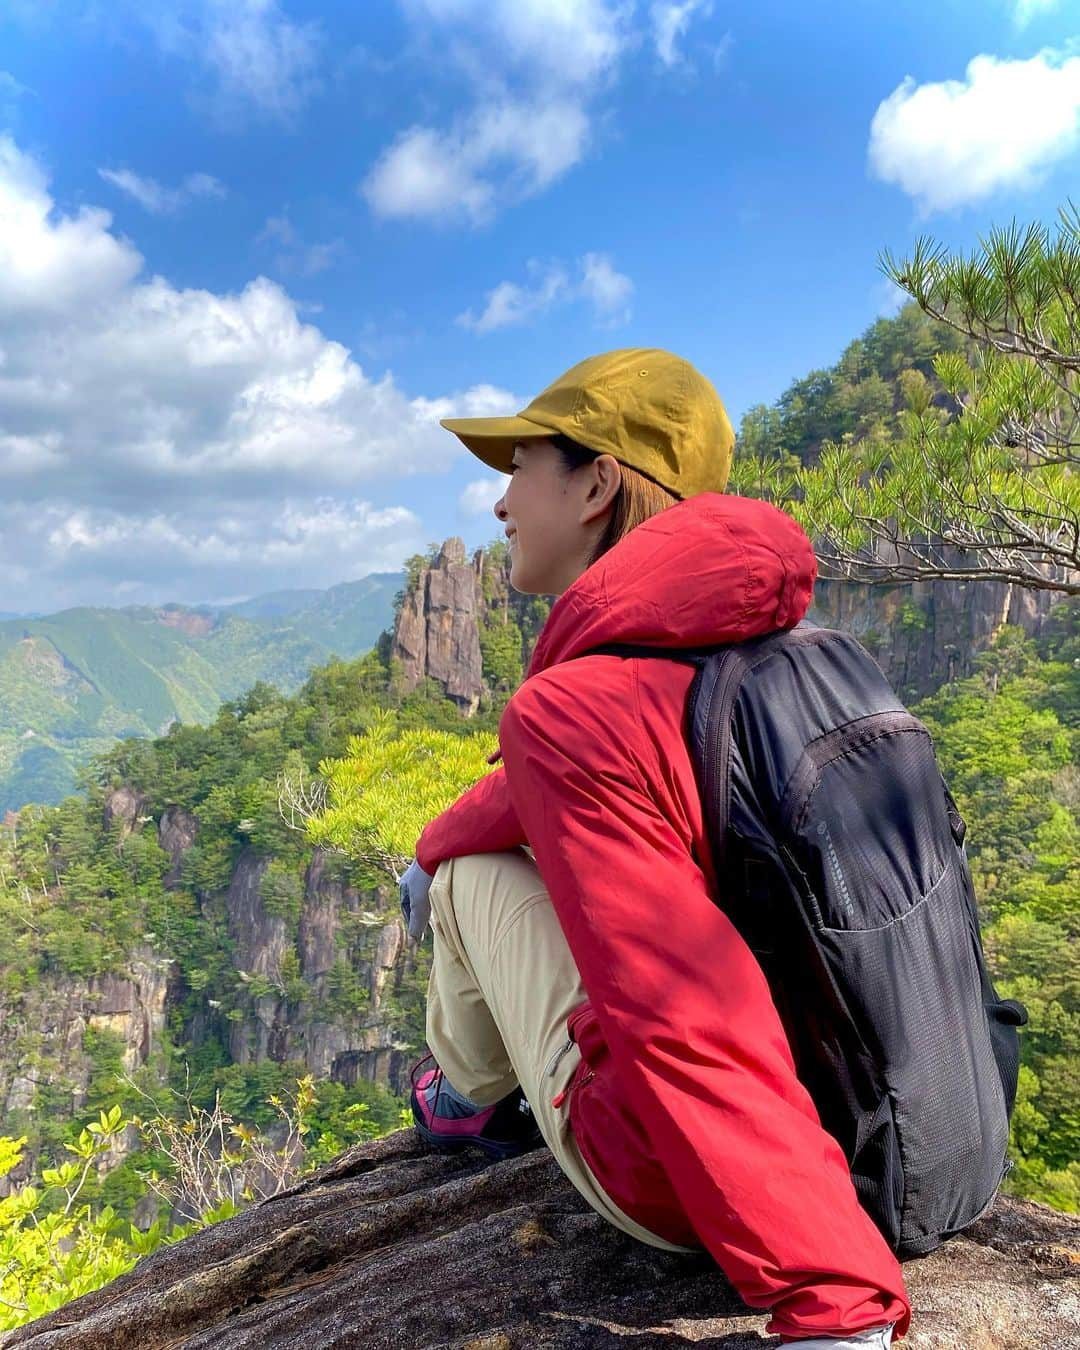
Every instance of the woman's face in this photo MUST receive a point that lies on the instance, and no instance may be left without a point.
(552, 517)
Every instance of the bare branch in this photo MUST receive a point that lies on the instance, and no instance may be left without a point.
(298, 801)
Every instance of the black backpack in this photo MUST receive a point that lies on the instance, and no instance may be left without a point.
(839, 855)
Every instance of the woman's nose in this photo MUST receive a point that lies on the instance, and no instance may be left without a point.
(500, 508)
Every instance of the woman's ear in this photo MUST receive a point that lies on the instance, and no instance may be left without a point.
(604, 478)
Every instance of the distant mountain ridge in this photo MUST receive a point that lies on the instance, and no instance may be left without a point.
(73, 682)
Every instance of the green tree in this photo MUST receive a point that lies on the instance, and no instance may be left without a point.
(390, 783)
(1013, 764)
(53, 1246)
(983, 482)
(500, 650)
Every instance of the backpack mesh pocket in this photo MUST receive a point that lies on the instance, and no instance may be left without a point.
(867, 829)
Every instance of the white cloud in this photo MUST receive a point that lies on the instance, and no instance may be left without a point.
(260, 53)
(888, 298)
(533, 68)
(128, 404)
(294, 256)
(316, 258)
(568, 42)
(11, 91)
(608, 290)
(670, 22)
(249, 53)
(482, 400)
(959, 141)
(297, 532)
(51, 267)
(1026, 10)
(510, 303)
(254, 53)
(721, 51)
(150, 194)
(480, 496)
(535, 71)
(93, 555)
(279, 228)
(500, 154)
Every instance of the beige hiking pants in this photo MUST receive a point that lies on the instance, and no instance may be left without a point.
(502, 985)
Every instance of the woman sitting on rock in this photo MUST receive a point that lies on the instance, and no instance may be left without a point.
(583, 977)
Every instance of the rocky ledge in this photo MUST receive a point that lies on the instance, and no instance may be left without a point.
(390, 1247)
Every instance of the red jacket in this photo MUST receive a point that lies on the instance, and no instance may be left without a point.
(686, 1107)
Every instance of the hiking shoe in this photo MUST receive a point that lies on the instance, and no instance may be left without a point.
(446, 1120)
(881, 1339)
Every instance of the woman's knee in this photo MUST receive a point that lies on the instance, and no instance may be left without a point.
(481, 900)
(487, 879)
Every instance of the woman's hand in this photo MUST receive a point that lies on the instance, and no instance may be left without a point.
(413, 888)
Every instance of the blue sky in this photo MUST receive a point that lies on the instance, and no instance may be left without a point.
(251, 250)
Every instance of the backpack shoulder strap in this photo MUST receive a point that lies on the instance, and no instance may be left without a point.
(718, 674)
(693, 656)
(710, 707)
(752, 649)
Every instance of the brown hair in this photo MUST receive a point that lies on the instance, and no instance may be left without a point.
(638, 497)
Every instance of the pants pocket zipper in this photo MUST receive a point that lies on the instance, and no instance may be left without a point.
(560, 1098)
(556, 1059)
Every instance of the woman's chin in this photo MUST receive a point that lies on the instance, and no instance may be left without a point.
(519, 577)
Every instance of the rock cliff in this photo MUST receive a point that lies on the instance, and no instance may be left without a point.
(343, 1049)
(62, 1031)
(920, 633)
(437, 633)
(925, 633)
(390, 1247)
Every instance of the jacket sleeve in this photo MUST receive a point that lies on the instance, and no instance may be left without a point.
(694, 1037)
(482, 820)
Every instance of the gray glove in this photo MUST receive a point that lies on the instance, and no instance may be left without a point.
(413, 888)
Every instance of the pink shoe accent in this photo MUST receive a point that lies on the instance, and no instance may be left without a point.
(440, 1124)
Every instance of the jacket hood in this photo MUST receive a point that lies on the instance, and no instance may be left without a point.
(713, 569)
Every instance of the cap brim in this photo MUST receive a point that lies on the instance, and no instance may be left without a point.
(492, 439)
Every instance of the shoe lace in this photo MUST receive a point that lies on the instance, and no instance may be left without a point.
(417, 1071)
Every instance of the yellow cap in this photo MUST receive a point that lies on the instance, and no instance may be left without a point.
(651, 410)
